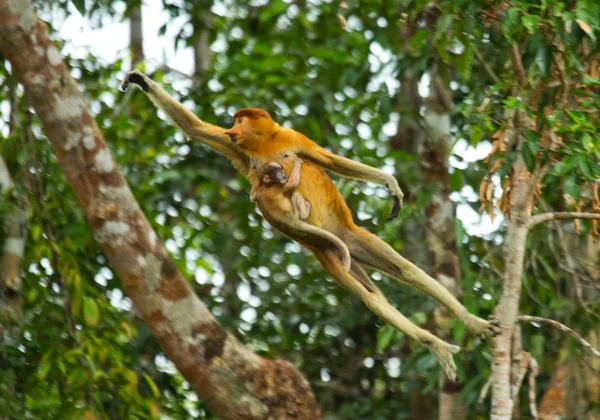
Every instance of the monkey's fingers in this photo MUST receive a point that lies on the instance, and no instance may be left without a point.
(136, 77)
(443, 353)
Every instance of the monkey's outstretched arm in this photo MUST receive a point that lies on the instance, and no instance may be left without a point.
(351, 169)
(193, 127)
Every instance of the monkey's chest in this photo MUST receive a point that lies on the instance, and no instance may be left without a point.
(285, 158)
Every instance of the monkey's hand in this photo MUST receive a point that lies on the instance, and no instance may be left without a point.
(138, 78)
(397, 196)
(443, 353)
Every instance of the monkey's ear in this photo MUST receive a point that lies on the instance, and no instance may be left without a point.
(266, 179)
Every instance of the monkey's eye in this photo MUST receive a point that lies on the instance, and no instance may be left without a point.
(286, 155)
(239, 120)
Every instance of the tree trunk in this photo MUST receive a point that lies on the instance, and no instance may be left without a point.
(233, 382)
(136, 40)
(13, 249)
(202, 60)
(439, 221)
(508, 307)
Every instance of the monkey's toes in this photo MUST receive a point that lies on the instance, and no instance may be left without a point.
(443, 353)
(136, 77)
(397, 207)
(481, 327)
(494, 329)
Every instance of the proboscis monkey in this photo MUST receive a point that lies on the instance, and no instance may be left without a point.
(256, 139)
(277, 195)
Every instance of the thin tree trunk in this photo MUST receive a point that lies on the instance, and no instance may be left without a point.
(439, 221)
(13, 249)
(234, 382)
(202, 56)
(508, 307)
(136, 40)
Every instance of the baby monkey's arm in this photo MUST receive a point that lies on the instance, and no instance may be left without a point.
(300, 206)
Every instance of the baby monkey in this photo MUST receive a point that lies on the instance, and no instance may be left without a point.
(277, 196)
(286, 198)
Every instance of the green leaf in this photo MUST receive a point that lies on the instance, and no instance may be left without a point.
(36, 231)
(543, 58)
(152, 385)
(528, 157)
(582, 163)
(79, 5)
(533, 140)
(45, 365)
(510, 24)
(476, 135)
(418, 40)
(464, 62)
(271, 10)
(531, 22)
(384, 338)
(91, 312)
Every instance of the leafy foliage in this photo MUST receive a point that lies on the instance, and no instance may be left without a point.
(84, 352)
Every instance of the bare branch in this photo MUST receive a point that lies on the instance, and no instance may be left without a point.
(486, 66)
(484, 391)
(561, 215)
(523, 364)
(534, 370)
(587, 346)
(515, 58)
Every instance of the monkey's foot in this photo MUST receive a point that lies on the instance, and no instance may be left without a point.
(481, 326)
(136, 77)
(397, 196)
(443, 353)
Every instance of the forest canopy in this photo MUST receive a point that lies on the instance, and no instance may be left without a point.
(486, 112)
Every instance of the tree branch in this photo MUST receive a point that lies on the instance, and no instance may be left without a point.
(515, 58)
(561, 215)
(534, 370)
(588, 347)
(234, 382)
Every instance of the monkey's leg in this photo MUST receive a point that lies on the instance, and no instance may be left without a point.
(192, 126)
(300, 206)
(374, 252)
(354, 282)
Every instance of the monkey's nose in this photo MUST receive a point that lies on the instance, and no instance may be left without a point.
(231, 135)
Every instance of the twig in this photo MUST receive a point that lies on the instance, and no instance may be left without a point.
(484, 390)
(560, 215)
(515, 58)
(523, 364)
(486, 66)
(587, 346)
(534, 370)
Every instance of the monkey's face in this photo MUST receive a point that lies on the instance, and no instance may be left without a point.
(250, 125)
(272, 173)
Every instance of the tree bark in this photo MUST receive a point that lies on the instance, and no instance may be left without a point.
(13, 249)
(233, 382)
(202, 56)
(439, 221)
(136, 39)
(508, 307)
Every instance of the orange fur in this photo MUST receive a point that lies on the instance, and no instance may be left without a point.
(329, 231)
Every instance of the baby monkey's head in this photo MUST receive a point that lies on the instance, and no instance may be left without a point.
(272, 173)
